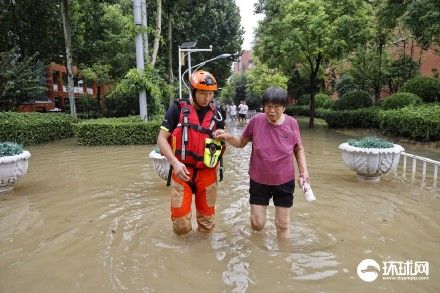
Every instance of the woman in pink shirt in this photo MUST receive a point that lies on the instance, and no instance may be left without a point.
(275, 138)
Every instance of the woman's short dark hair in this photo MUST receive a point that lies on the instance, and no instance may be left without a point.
(274, 95)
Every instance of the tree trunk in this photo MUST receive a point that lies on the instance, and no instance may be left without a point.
(312, 79)
(145, 33)
(158, 30)
(68, 41)
(377, 86)
(170, 49)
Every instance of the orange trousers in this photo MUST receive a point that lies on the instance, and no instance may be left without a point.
(203, 185)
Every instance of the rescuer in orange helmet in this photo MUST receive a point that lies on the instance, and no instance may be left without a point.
(186, 140)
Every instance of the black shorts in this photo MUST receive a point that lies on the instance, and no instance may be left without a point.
(282, 194)
(242, 115)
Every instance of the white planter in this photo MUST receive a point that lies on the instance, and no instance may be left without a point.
(370, 163)
(12, 169)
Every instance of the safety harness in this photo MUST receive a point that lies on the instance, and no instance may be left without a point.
(193, 142)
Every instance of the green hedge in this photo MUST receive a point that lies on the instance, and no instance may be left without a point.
(353, 100)
(415, 122)
(428, 88)
(305, 111)
(360, 118)
(34, 128)
(117, 131)
(400, 100)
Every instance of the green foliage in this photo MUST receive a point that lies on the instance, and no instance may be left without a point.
(260, 77)
(328, 104)
(214, 22)
(368, 69)
(370, 142)
(353, 100)
(345, 84)
(123, 100)
(10, 149)
(304, 100)
(236, 89)
(415, 122)
(323, 101)
(400, 100)
(305, 111)
(117, 131)
(34, 128)
(360, 118)
(400, 71)
(306, 32)
(422, 18)
(32, 26)
(20, 80)
(103, 34)
(87, 105)
(428, 88)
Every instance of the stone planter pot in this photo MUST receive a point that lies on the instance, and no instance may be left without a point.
(12, 169)
(370, 163)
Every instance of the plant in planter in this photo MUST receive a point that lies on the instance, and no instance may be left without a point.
(13, 164)
(370, 157)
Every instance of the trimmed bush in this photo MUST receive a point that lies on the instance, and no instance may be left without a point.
(320, 100)
(428, 88)
(295, 111)
(353, 100)
(117, 131)
(34, 128)
(328, 104)
(414, 122)
(10, 149)
(360, 118)
(400, 100)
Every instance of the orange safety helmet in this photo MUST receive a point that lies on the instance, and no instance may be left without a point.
(203, 80)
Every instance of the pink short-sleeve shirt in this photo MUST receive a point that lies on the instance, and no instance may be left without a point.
(272, 154)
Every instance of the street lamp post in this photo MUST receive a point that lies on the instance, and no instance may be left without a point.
(137, 11)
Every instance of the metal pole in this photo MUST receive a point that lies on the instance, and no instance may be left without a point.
(145, 34)
(137, 11)
(189, 73)
(180, 74)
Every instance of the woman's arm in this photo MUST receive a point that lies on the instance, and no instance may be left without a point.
(301, 161)
(234, 140)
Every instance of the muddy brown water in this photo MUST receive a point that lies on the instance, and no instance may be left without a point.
(96, 219)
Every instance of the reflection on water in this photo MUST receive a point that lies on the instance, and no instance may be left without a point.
(96, 219)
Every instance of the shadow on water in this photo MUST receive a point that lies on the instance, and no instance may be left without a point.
(96, 219)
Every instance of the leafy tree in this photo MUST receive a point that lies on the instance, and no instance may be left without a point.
(31, 26)
(400, 71)
(261, 77)
(422, 18)
(308, 33)
(216, 23)
(236, 89)
(20, 80)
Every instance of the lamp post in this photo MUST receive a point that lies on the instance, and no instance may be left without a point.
(137, 12)
(197, 66)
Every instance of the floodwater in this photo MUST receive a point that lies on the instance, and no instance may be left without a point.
(96, 219)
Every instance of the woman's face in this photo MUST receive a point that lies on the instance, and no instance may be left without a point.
(274, 112)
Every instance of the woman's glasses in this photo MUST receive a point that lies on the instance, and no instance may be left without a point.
(269, 107)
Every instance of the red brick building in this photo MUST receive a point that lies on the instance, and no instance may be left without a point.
(245, 63)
